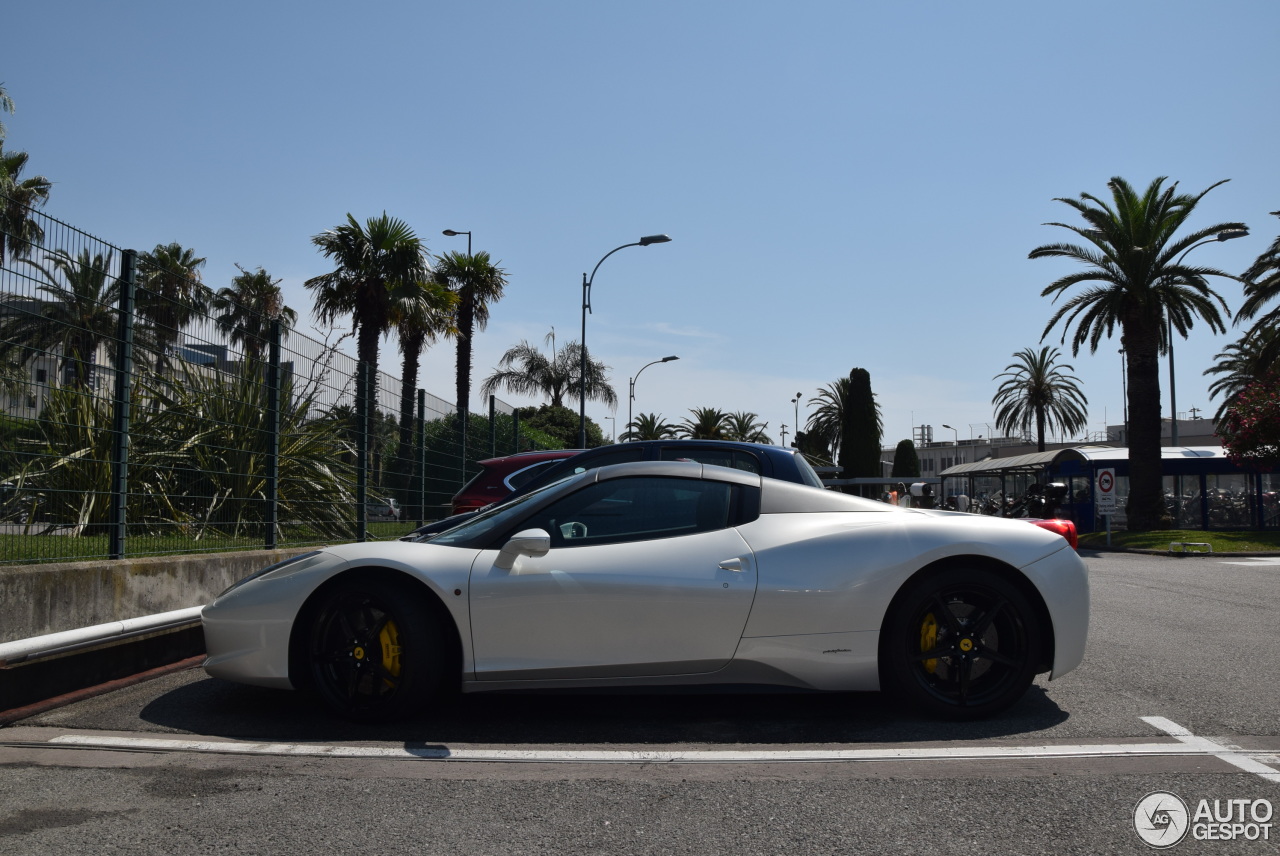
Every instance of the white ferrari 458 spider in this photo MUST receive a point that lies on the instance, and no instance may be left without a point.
(667, 574)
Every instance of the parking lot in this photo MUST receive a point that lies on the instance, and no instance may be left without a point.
(1178, 693)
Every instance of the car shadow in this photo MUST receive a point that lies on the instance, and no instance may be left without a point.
(724, 718)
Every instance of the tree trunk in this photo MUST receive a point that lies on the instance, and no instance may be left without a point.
(412, 347)
(1146, 509)
(466, 324)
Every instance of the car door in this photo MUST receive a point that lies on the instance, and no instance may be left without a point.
(645, 576)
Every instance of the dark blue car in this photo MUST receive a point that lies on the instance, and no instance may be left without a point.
(769, 461)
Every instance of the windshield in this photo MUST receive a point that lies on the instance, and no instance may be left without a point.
(493, 519)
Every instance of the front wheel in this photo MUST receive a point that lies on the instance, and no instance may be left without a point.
(375, 652)
(961, 644)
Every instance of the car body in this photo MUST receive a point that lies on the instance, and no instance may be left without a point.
(667, 573)
(770, 461)
(498, 477)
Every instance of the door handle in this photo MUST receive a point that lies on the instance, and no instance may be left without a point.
(734, 565)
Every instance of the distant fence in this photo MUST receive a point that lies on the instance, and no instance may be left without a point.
(139, 415)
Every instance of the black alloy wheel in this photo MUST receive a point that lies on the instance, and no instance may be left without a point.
(375, 651)
(962, 644)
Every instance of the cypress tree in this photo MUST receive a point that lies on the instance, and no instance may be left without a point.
(906, 463)
(860, 433)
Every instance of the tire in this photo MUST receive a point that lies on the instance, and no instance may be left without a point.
(375, 651)
(984, 637)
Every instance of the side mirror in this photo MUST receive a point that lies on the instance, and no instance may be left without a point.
(530, 542)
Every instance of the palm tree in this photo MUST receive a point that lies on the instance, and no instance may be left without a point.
(744, 426)
(376, 264)
(478, 283)
(170, 294)
(74, 317)
(247, 308)
(1143, 288)
(1038, 390)
(648, 426)
(705, 423)
(6, 106)
(421, 316)
(1261, 286)
(1252, 359)
(524, 370)
(826, 422)
(20, 231)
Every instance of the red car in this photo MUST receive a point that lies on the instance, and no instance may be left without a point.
(499, 476)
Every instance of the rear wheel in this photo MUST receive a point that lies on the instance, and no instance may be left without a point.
(375, 651)
(961, 643)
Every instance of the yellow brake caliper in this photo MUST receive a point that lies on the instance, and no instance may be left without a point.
(389, 638)
(929, 640)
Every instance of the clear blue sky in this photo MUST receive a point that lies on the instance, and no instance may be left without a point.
(847, 184)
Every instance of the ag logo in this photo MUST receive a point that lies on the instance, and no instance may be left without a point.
(1161, 819)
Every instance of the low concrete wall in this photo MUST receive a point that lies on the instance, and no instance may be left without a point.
(40, 599)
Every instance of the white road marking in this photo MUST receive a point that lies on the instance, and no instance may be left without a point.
(1255, 561)
(1231, 754)
(1186, 745)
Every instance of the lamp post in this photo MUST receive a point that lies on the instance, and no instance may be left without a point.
(586, 307)
(452, 234)
(1124, 396)
(796, 403)
(631, 393)
(1225, 235)
(957, 433)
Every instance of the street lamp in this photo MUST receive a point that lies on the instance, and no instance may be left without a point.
(1224, 235)
(957, 443)
(631, 395)
(586, 307)
(452, 234)
(796, 402)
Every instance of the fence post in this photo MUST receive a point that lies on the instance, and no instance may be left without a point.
(422, 456)
(363, 401)
(493, 429)
(273, 436)
(515, 428)
(120, 416)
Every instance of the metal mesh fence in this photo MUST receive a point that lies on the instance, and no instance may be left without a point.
(143, 413)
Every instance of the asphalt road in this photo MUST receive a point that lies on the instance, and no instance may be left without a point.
(1190, 641)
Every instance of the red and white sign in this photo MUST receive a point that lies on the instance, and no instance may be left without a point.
(1105, 491)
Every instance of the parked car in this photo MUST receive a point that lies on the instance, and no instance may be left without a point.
(667, 573)
(769, 461)
(499, 476)
(381, 510)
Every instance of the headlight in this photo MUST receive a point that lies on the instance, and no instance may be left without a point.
(277, 566)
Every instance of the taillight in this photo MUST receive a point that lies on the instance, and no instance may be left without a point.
(1065, 528)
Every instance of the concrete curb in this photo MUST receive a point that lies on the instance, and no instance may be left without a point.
(1098, 548)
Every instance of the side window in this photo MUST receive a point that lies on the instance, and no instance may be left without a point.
(732, 458)
(636, 509)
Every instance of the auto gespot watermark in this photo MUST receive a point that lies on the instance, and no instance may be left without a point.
(1163, 819)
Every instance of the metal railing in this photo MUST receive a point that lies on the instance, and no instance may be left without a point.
(138, 416)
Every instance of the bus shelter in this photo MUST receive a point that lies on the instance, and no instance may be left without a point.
(1203, 489)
